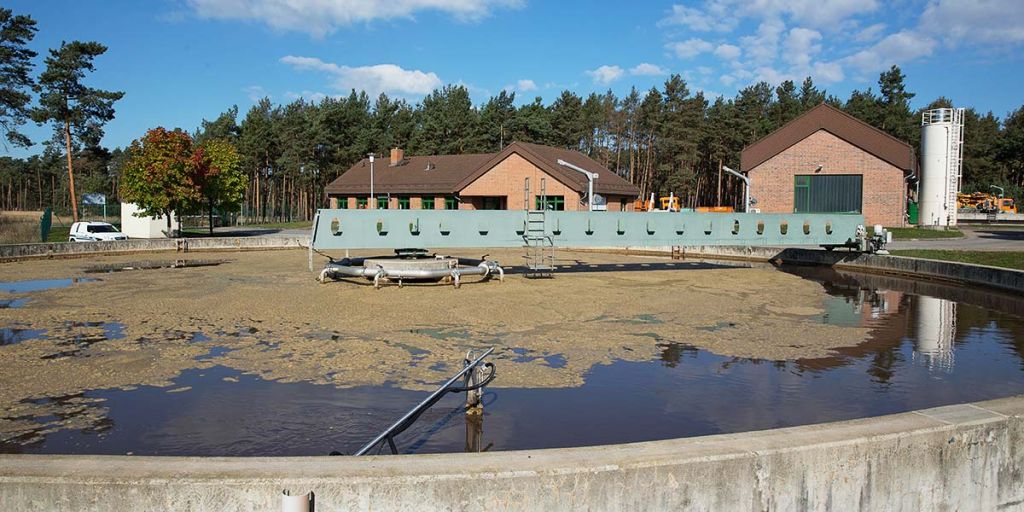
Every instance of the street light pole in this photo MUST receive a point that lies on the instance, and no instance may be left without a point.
(746, 187)
(373, 200)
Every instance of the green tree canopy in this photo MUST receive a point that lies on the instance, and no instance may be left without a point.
(161, 176)
(77, 111)
(15, 68)
(217, 167)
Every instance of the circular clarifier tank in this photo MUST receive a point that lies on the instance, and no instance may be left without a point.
(253, 357)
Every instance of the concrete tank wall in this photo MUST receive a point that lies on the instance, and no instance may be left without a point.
(961, 457)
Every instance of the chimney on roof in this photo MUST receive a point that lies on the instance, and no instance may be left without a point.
(397, 155)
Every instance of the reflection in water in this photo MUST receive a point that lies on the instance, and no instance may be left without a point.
(917, 330)
(936, 332)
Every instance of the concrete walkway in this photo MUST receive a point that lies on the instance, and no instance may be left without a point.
(976, 238)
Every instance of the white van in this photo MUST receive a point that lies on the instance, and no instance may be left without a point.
(94, 232)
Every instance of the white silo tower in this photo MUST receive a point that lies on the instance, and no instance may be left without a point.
(936, 331)
(942, 137)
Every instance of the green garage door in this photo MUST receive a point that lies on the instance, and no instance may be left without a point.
(828, 193)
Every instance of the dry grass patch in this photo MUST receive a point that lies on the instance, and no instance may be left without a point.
(19, 227)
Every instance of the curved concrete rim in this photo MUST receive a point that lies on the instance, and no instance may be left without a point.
(512, 463)
(957, 457)
(963, 457)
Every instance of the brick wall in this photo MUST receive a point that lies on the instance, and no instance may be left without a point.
(507, 178)
(884, 188)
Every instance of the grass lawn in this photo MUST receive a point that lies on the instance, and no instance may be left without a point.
(921, 234)
(58, 234)
(1006, 259)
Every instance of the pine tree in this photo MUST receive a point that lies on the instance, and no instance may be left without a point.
(533, 123)
(1010, 148)
(16, 32)
(79, 112)
(787, 105)
(896, 116)
(224, 126)
(448, 123)
(496, 119)
(567, 121)
(810, 96)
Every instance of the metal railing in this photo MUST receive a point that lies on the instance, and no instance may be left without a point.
(410, 417)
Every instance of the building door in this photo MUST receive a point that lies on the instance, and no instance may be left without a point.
(493, 203)
(828, 193)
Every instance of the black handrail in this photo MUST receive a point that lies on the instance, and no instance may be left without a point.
(410, 417)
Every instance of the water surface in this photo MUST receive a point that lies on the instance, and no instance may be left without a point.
(929, 345)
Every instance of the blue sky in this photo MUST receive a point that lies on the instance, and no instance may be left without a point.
(180, 61)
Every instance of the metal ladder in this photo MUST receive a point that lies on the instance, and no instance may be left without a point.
(540, 247)
(955, 161)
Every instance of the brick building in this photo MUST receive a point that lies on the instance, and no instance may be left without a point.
(829, 161)
(492, 181)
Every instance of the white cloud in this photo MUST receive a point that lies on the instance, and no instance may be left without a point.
(728, 52)
(763, 47)
(898, 48)
(255, 93)
(605, 75)
(690, 48)
(526, 85)
(704, 70)
(711, 18)
(321, 17)
(647, 69)
(981, 21)
(824, 13)
(727, 80)
(771, 75)
(313, 96)
(374, 79)
(828, 72)
(801, 45)
(724, 15)
(870, 33)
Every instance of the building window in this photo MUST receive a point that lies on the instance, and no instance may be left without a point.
(553, 203)
(382, 203)
(828, 193)
(427, 203)
(361, 203)
(403, 203)
(451, 203)
(342, 203)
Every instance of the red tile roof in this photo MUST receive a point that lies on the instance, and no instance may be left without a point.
(448, 174)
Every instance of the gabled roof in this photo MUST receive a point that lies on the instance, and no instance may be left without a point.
(411, 176)
(547, 157)
(448, 174)
(826, 117)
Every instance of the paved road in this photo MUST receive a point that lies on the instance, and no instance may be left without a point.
(976, 238)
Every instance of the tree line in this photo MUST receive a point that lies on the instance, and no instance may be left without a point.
(665, 139)
(76, 111)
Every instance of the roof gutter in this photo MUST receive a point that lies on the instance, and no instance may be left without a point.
(591, 176)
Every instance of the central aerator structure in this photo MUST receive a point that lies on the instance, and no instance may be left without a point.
(411, 265)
